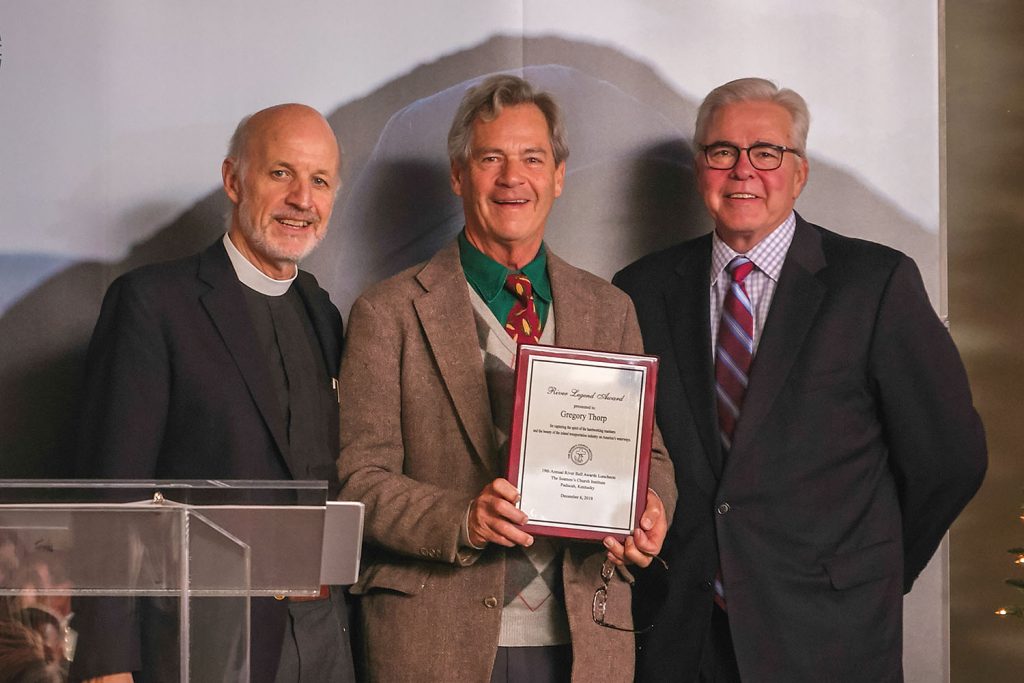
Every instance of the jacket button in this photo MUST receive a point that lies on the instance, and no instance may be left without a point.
(490, 602)
(705, 585)
(722, 508)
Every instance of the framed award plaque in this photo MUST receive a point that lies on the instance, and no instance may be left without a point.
(580, 441)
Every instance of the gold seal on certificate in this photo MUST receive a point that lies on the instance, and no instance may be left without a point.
(580, 444)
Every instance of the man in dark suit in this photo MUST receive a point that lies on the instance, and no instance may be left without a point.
(817, 413)
(221, 366)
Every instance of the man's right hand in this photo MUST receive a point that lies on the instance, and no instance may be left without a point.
(493, 517)
(112, 678)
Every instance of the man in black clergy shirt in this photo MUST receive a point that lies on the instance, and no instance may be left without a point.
(817, 414)
(221, 366)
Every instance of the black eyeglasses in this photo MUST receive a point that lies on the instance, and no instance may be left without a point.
(601, 597)
(763, 156)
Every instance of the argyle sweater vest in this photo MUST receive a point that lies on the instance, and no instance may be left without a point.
(533, 613)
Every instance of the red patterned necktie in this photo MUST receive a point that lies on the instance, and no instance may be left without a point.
(522, 325)
(733, 354)
(735, 350)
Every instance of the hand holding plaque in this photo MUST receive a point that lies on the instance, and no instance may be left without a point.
(644, 545)
(494, 518)
(580, 443)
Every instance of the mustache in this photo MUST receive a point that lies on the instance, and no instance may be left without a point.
(308, 216)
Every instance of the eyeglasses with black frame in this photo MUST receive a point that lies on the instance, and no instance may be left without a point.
(601, 597)
(764, 156)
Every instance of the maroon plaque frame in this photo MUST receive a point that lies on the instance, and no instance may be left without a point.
(561, 491)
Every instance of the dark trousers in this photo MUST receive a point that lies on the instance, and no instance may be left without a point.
(549, 664)
(718, 658)
(316, 647)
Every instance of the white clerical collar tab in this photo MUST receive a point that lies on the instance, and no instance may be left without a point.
(254, 278)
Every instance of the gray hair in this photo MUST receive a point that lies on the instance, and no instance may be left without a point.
(239, 139)
(755, 90)
(485, 102)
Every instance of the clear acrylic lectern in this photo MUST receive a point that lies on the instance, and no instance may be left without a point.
(197, 549)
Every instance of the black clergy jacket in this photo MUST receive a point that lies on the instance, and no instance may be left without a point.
(177, 387)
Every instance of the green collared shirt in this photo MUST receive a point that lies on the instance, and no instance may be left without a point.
(487, 277)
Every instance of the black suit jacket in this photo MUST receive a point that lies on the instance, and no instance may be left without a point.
(178, 388)
(856, 448)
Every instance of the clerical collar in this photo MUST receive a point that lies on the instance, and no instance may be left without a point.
(254, 278)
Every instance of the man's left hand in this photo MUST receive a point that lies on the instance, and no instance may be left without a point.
(645, 542)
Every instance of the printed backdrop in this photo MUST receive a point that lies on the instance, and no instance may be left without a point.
(115, 114)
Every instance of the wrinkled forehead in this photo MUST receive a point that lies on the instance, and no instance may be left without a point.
(521, 122)
(750, 121)
(293, 137)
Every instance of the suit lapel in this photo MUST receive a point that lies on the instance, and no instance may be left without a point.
(572, 304)
(794, 306)
(446, 315)
(688, 311)
(326, 321)
(225, 304)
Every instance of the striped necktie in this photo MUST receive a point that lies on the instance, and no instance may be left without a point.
(733, 354)
(735, 350)
(523, 324)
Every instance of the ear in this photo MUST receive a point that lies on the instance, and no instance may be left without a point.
(456, 177)
(559, 178)
(802, 171)
(232, 183)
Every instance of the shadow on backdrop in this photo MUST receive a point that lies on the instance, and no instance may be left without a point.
(629, 191)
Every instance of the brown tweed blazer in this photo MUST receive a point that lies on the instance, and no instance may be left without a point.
(418, 445)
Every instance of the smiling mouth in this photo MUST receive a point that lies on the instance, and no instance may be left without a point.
(511, 202)
(741, 195)
(294, 223)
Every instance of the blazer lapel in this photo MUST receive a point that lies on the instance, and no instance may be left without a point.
(225, 304)
(326, 321)
(688, 310)
(794, 306)
(446, 315)
(571, 302)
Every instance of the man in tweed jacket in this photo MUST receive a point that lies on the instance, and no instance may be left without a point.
(452, 588)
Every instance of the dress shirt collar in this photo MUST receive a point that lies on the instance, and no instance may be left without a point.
(768, 255)
(254, 278)
(488, 276)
